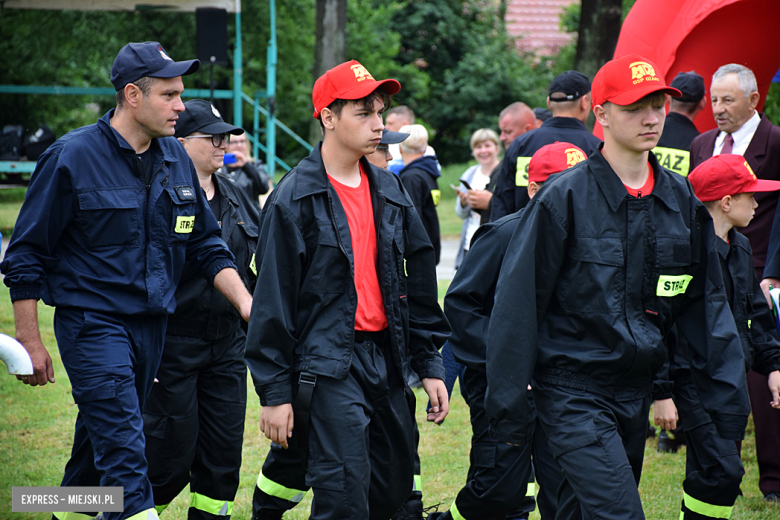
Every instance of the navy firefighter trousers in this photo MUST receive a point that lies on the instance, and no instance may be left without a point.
(111, 361)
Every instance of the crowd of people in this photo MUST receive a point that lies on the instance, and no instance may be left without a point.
(593, 279)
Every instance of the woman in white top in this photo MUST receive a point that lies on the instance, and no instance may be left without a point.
(485, 147)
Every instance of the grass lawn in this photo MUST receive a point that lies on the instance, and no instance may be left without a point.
(10, 202)
(36, 426)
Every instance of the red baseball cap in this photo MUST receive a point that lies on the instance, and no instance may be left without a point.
(727, 174)
(553, 158)
(350, 80)
(628, 79)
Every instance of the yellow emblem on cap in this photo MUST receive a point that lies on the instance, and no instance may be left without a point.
(574, 156)
(185, 224)
(642, 71)
(361, 73)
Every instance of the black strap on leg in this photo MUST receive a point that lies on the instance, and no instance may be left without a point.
(302, 408)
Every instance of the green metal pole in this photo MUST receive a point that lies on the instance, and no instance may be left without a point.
(237, 70)
(270, 126)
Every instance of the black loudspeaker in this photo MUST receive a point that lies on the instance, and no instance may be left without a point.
(211, 28)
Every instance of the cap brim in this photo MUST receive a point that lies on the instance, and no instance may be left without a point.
(764, 185)
(176, 69)
(389, 137)
(220, 127)
(634, 95)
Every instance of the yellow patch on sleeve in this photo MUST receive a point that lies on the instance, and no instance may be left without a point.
(521, 177)
(184, 224)
(436, 195)
(252, 265)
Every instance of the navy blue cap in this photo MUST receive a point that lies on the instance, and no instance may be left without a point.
(572, 84)
(389, 137)
(542, 113)
(147, 59)
(201, 116)
(691, 85)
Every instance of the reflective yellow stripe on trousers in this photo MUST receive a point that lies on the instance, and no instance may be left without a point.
(703, 508)
(211, 505)
(269, 487)
(72, 516)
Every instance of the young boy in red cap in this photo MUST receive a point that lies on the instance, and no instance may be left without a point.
(604, 261)
(496, 482)
(713, 472)
(349, 291)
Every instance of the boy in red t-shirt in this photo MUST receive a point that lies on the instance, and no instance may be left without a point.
(349, 291)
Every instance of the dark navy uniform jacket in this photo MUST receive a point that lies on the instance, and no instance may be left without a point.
(303, 314)
(592, 282)
(673, 150)
(469, 300)
(511, 180)
(202, 311)
(91, 233)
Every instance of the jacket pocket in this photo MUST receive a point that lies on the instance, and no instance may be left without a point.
(328, 270)
(594, 279)
(182, 212)
(109, 217)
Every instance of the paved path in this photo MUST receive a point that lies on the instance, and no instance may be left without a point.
(449, 250)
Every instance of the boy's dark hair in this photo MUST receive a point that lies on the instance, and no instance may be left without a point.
(144, 85)
(367, 103)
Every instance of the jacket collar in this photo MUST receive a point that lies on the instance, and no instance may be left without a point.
(614, 190)
(736, 240)
(312, 179)
(158, 144)
(223, 193)
(565, 122)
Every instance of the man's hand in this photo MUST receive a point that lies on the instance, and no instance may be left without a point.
(665, 414)
(479, 199)
(765, 283)
(774, 387)
(28, 334)
(276, 423)
(437, 393)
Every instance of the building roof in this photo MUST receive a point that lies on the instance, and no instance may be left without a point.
(536, 25)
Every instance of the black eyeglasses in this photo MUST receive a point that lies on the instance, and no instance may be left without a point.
(216, 139)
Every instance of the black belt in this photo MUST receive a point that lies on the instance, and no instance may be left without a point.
(376, 337)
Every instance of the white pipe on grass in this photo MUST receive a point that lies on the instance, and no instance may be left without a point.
(15, 356)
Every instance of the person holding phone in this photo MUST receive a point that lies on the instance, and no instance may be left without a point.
(473, 198)
(245, 171)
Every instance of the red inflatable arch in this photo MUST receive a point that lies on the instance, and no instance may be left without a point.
(702, 35)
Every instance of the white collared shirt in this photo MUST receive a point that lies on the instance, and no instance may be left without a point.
(742, 137)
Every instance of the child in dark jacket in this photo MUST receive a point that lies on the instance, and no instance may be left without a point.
(725, 183)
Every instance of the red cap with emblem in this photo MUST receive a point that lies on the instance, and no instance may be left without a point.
(553, 158)
(727, 174)
(628, 79)
(350, 80)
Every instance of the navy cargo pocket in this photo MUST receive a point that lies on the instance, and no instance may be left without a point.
(326, 475)
(109, 217)
(484, 455)
(182, 212)
(572, 436)
(106, 405)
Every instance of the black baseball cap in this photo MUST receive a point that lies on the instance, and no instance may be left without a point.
(543, 113)
(389, 137)
(691, 85)
(572, 83)
(147, 59)
(201, 116)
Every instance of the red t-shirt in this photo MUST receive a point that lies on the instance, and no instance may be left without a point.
(648, 186)
(370, 316)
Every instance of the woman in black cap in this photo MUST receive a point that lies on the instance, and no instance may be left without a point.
(194, 418)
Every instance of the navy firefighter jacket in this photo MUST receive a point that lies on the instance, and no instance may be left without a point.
(304, 318)
(91, 233)
(593, 280)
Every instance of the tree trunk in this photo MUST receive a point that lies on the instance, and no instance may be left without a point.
(330, 46)
(600, 22)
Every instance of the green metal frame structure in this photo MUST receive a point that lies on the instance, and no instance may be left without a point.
(236, 94)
